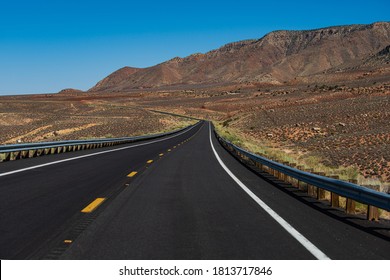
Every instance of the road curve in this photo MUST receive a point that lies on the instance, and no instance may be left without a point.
(181, 198)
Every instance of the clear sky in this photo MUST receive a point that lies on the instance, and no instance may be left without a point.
(46, 46)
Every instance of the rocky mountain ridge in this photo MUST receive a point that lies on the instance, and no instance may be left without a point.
(276, 58)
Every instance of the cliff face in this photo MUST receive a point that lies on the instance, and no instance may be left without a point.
(277, 57)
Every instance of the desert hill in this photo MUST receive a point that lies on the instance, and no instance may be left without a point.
(69, 90)
(278, 57)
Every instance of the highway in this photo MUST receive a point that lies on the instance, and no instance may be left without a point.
(179, 197)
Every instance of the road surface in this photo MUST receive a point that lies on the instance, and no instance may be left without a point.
(179, 197)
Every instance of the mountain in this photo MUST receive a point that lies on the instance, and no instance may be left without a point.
(278, 57)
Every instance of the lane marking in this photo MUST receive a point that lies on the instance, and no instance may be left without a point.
(161, 154)
(93, 205)
(68, 241)
(132, 174)
(90, 155)
(169, 150)
(289, 228)
(149, 161)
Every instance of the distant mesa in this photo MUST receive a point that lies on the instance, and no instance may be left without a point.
(70, 90)
(278, 57)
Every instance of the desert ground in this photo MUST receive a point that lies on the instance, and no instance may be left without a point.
(51, 117)
(341, 128)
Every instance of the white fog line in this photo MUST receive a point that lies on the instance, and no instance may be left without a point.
(89, 155)
(289, 228)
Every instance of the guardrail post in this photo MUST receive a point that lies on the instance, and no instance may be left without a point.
(334, 198)
(289, 179)
(285, 177)
(320, 192)
(310, 188)
(276, 174)
(32, 153)
(350, 205)
(293, 181)
(23, 154)
(301, 185)
(281, 176)
(261, 166)
(17, 155)
(372, 211)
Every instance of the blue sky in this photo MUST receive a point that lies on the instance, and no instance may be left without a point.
(46, 46)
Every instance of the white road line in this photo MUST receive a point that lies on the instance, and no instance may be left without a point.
(89, 155)
(289, 228)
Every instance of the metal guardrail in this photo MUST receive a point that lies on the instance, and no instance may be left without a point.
(28, 150)
(315, 183)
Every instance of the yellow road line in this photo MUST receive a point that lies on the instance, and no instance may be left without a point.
(169, 150)
(132, 174)
(149, 161)
(93, 205)
(68, 241)
(161, 154)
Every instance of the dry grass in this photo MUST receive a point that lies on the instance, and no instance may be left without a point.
(274, 152)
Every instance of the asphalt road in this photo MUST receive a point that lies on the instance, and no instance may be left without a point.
(193, 201)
